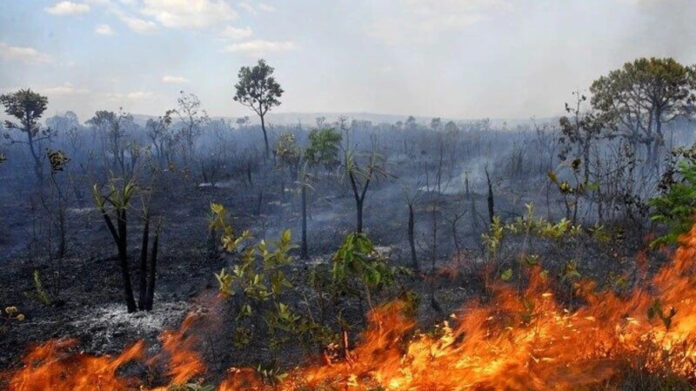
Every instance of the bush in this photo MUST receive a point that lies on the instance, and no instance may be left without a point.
(676, 206)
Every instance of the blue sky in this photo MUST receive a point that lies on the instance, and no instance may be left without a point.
(449, 58)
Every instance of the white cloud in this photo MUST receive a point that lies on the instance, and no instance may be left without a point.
(189, 14)
(104, 29)
(266, 7)
(247, 7)
(67, 8)
(259, 47)
(135, 24)
(129, 96)
(138, 25)
(422, 20)
(174, 79)
(25, 54)
(111, 2)
(255, 9)
(236, 34)
(65, 89)
(138, 95)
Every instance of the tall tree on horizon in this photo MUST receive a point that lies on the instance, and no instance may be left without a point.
(28, 107)
(258, 90)
(642, 96)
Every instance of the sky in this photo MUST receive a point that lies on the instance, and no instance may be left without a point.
(444, 58)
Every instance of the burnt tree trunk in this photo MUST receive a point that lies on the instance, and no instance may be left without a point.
(304, 253)
(259, 202)
(61, 229)
(491, 205)
(122, 243)
(37, 159)
(412, 238)
(248, 173)
(359, 206)
(150, 293)
(143, 262)
(265, 136)
(359, 199)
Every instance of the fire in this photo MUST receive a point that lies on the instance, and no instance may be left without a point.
(526, 341)
(185, 363)
(51, 367)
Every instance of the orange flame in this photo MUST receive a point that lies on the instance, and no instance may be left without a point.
(185, 363)
(50, 367)
(516, 341)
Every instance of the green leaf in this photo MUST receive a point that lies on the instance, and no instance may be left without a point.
(506, 275)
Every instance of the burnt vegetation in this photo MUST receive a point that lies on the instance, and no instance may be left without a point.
(284, 237)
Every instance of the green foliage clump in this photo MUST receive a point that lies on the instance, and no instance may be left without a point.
(287, 151)
(259, 284)
(676, 206)
(40, 293)
(259, 275)
(538, 226)
(323, 148)
(494, 237)
(527, 225)
(357, 260)
(57, 159)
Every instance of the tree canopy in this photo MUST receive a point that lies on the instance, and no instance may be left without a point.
(258, 90)
(323, 148)
(643, 95)
(27, 106)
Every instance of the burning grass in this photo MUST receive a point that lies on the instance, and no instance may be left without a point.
(515, 341)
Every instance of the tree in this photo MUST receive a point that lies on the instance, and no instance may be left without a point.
(581, 129)
(58, 161)
(114, 127)
(451, 127)
(490, 199)
(675, 206)
(162, 137)
(360, 179)
(242, 122)
(192, 119)
(27, 106)
(412, 196)
(304, 182)
(435, 123)
(287, 152)
(63, 123)
(642, 96)
(114, 205)
(323, 148)
(258, 90)
(410, 123)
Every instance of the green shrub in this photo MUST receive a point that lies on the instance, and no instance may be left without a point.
(676, 206)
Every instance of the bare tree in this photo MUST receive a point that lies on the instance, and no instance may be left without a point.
(412, 197)
(192, 118)
(163, 139)
(360, 178)
(113, 128)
